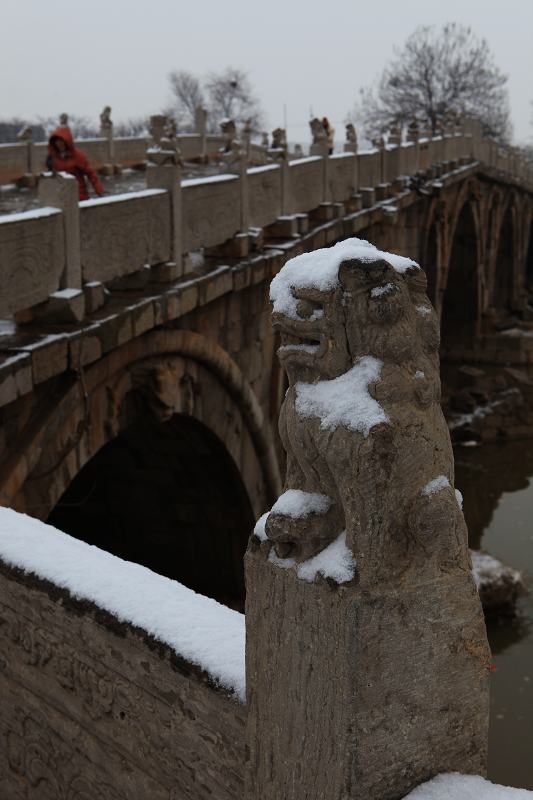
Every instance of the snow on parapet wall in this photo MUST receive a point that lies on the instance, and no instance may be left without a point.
(453, 786)
(320, 270)
(198, 628)
(335, 561)
(344, 400)
(295, 503)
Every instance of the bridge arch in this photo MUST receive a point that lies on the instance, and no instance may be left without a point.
(169, 496)
(503, 266)
(462, 279)
(165, 378)
(433, 251)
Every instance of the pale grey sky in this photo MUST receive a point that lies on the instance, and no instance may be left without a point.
(59, 55)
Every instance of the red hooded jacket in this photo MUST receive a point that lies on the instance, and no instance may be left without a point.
(73, 161)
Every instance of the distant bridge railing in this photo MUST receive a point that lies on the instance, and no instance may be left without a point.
(55, 251)
(27, 159)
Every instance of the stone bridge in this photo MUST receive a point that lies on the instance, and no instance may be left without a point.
(139, 399)
(130, 317)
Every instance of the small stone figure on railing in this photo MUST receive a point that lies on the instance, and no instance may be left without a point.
(229, 132)
(378, 143)
(413, 131)
(163, 147)
(279, 139)
(63, 120)
(395, 135)
(25, 134)
(106, 123)
(170, 132)
(318, 131)
(350, 145)
(351, 133)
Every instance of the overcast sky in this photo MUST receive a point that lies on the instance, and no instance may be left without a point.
(77, 57)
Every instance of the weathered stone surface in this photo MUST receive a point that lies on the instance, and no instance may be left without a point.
(32, 258)
(119, 238)
(95, 708)
(383, 677)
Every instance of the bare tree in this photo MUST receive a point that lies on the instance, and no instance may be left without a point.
(438, 75)
(9, 129)
(231, 96)
(135, 126)
(188, 95)
(81, 127)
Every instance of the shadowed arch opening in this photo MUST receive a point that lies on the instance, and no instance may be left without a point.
(169, 496)
(460, 301)
(502, 288)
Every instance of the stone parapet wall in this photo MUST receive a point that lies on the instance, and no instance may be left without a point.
(93, 707)
(119, 238)
(122, 234)
(32, 257)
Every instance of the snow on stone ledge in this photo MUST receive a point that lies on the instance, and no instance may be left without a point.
(335, 561)
(452, 786)
(320, 270)
(196, 627)
(344, 400)
(295, 503)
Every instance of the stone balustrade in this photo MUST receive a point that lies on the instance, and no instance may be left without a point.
(23, 159)
(66, 245)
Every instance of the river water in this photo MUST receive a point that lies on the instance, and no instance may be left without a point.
(497, 484)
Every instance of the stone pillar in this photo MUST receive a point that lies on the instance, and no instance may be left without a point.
(168, 176)
(247, 139)
(413, 135)
(200, 120)
(60, 190)
(286, 196)
(245, 199)
(106, 132)
(326, 192)
(26, 135)
(366, 656)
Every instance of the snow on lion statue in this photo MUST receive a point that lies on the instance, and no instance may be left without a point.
(369, 460)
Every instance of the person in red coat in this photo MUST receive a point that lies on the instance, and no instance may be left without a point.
(64, 157)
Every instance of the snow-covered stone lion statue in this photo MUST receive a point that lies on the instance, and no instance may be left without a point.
(369, 460)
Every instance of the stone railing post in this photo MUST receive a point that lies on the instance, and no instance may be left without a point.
(200, 124)
(326, 193)
(168, 176)
(286, 197)
(367, 663)
(413, 136)
(60, 190)
(31, 157)
(244, 186)
(107, 134)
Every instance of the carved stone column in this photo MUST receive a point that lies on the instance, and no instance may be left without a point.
(200, 121)
(60, 190)
(367, 658)
(168, 176)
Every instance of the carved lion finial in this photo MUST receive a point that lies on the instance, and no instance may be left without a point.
(361, 421)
